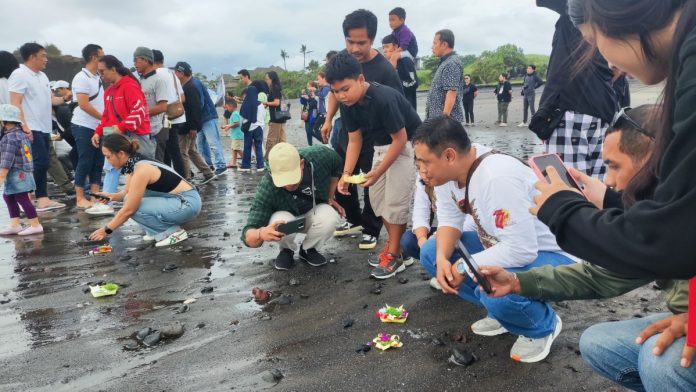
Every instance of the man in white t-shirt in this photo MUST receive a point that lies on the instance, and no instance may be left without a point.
(168, 141)
(496, 190)
(89, 93)
(30, 91)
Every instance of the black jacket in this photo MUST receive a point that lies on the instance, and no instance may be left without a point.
(654, 238)
(590, 92)
(193, 109)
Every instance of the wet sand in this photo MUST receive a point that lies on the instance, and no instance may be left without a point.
(56, 337)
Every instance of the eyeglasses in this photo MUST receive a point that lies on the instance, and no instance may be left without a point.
(623, 114)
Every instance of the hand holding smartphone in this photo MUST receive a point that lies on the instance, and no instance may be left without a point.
(292, 227)
(473, 267)
(539, 163)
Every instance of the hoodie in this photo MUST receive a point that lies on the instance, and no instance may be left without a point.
(125, 106)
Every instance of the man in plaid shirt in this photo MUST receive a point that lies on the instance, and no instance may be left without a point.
(300, 184)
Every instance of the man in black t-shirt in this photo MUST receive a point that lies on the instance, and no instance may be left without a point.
(359, 30)
(383, 115)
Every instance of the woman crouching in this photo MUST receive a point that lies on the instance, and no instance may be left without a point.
(155, 196)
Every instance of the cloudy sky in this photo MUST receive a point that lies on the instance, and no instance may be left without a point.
(217, 36)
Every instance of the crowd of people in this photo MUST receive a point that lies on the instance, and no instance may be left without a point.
(535, 240)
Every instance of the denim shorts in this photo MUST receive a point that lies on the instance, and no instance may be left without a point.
(19, 181)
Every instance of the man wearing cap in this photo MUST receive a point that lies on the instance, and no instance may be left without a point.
(193, 124)
(168, 139)
(300, 184)
(154, 88)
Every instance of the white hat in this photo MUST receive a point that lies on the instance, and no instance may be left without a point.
(9, 113)
(60, 84)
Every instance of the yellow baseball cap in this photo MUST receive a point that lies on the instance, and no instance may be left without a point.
(284, 160)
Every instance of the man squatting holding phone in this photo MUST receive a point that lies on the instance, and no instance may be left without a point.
(502, 231)
(301, 184)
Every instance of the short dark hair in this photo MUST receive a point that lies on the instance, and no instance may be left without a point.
(231, 102)
(467, 76)
(442, 132)
(447, 36)
(390, 39)
(244, 72)
(532, 66)
(342, 67)
(330, 55)
(504, 74)
(634, 142)
(398, 11)
(29, 49)
(359, 19)
(89, 51)
(8, 63)
(157, 56)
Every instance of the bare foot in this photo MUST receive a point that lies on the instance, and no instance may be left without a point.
(84, 203)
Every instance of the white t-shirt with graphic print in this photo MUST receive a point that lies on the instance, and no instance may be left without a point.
(501, 192)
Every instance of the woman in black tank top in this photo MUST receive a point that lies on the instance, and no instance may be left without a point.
(155, 196)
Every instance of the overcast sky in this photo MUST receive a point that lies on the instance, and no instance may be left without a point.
(217, 36)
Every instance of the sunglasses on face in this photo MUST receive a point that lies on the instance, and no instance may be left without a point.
(622, 115)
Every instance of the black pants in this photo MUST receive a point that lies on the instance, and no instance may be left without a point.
(371, 224)
(469, 111)
(171, 152)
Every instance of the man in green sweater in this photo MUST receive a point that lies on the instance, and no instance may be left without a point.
(300, 184)
(611, 349)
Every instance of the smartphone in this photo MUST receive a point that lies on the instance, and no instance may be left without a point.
(539, 163)
(292, 227)
(473, 267)
(101, 197)
(108, 131)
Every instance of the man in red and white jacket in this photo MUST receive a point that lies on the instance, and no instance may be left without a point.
(125, 107)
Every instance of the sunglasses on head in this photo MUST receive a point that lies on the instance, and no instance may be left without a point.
(623, 115)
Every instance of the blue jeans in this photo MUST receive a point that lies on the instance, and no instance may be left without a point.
(111, 177)
(90, 160)
(255, 137)
(40, 158)
(209, 138)
(309, 130)
(335, 130)
(409, 243)
(160, 214)
(519, 315)
(610, 349)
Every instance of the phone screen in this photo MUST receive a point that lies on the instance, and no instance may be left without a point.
(544, 161)
(473, 267)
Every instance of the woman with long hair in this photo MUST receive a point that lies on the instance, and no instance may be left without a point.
(276, 128)
(653, 237)
(155, 196)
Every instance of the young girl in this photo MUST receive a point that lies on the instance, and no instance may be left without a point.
(236, 135)
(16, 170)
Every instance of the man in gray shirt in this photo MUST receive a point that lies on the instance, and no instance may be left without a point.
(445, 95)
(154, 88)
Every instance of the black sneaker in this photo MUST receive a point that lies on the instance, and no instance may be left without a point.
(220, 171)
(285, 260)
(312, 257)
(389, 266)
(346, 228)
(368, 242)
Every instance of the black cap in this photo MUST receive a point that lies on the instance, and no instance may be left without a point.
(158, 56)
(184, 67)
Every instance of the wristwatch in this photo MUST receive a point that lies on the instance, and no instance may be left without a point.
(461, 266)
(107, 230)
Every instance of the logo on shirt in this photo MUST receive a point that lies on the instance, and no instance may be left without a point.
(27, 151)
(502, 218)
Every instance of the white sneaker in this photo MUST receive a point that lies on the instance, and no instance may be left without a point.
(408, 261)
(488, 327)
(100, 209)
(522, 124)
(502, 124)
(534, 350)
(435, 284)
(173, 238)
(148, 238)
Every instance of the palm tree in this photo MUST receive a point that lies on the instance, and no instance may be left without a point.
(303, 50)
(285, 56)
